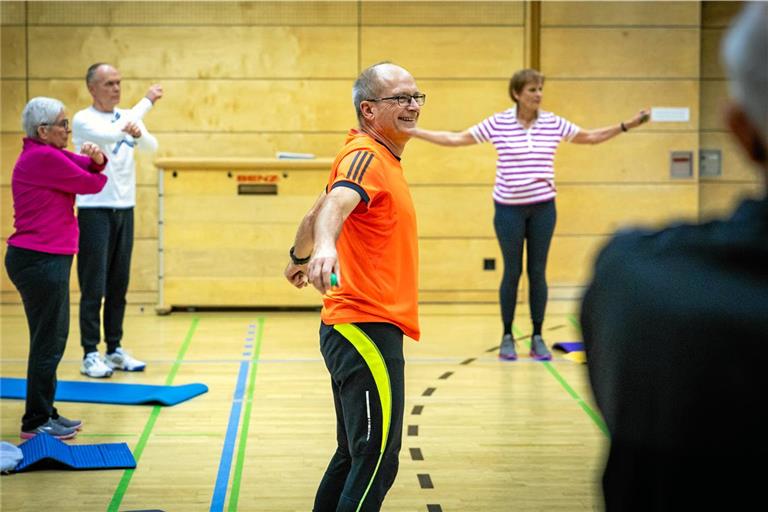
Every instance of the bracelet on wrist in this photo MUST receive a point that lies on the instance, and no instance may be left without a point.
(623, 127)
(296, 260)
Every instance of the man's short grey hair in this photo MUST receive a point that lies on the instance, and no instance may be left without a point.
(90, 75)
(367, 86)
(745, 57)
(39, 111)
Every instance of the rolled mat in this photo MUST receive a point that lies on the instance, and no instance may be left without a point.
(108, 392)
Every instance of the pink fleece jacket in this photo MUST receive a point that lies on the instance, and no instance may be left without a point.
(44, 183)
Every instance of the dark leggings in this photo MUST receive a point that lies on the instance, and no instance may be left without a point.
(514, 224)
(43, 283)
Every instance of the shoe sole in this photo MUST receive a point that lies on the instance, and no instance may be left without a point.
(134, 369)
(106, 375)
(537, 357)
(30, 435)
(507, 358)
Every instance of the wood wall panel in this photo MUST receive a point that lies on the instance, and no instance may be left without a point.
(640, 156)
(429, 164)
(13, 52)
(10, 147)
(718, 14)
(229, 105)
(711, 65)
(495, 52)
(12, 99)
(597, 103)
(12, 13)
(714, 97)
(718, 199)
(571, 258)
(460, 267)
(736, 166)
(583, 209)
(476, 13)
(201, 52)
(194, 13)
(6, 216)
(458, 104)
(619, 13)
(637, 53)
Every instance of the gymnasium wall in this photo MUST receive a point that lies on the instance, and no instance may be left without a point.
(252, 78)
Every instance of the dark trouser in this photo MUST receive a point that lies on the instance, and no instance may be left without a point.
(367, 369)
(514, 224)
(43, 283)
(103, 270)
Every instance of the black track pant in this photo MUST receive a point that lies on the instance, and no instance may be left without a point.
(103, 270)
(366, 364)
(43, 283)
(533, 224)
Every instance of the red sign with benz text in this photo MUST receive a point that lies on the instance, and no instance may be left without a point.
(258, 178)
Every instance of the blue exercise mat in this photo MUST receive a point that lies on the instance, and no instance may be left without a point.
(569, 346)
(46, 452)
(108, 392)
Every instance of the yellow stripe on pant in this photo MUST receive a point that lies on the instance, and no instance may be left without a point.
(373, 358)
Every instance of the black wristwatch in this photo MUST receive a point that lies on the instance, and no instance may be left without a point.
(296, 260)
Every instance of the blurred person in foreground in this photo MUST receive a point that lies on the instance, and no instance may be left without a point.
(674, 323)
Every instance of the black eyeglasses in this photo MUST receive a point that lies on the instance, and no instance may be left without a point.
(404, 99)
(64, 123)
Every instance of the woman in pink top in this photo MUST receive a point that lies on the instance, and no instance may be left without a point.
(525, 139)
(45, 180)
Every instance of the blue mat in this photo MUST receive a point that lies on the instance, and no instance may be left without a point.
(108, 392)
(569, 346)
(46, 452)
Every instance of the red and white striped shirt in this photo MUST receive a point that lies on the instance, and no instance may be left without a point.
(525, 172)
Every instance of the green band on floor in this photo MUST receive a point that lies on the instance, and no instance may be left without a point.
(117, 497)
(234, 493)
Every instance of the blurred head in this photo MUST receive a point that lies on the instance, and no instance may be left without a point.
(745, 58)
(525, 85)
(45, 119)
(387, 101)
(103, 82)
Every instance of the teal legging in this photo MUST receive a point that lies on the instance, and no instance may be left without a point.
(534, 224)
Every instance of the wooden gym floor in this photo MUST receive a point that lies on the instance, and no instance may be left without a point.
(479, 434)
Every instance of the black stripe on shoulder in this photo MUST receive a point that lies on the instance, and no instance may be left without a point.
(354, 161)
(354, 186)
(366, 163)
(363, 156)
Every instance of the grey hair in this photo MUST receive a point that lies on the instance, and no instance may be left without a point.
(91, 73)
(39, 111)
(367, 86)
(745, 57)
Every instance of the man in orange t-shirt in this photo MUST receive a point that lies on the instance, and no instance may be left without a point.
(363, 230)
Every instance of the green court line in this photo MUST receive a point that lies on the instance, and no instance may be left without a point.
(574, 322)
(122, 487)
(234, 493)
(596, 418)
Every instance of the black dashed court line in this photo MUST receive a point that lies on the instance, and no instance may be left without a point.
(413, 430)
(446, 375)
(467, 361)
(417, 409)
(416, 454)
(425, 481)
(556, 327)
(493, 349)
(434, 508)
(428, 392)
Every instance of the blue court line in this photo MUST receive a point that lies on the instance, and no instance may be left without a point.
(225, 464)
(227, 452)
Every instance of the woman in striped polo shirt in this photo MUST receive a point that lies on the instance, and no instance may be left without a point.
(525, 139)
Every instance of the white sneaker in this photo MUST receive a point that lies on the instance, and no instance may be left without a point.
(93, 366)
(122, 361)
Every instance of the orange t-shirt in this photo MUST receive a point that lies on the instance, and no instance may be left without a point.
(378, 246)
